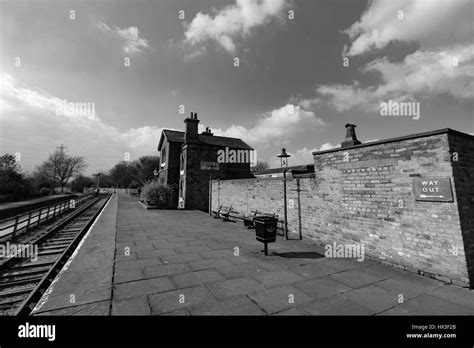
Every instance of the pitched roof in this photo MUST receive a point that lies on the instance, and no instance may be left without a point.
(178, 137)
(234, 143)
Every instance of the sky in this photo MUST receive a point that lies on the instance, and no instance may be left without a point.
(275, 73)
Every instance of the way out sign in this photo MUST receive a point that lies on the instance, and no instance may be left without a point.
(433, 189)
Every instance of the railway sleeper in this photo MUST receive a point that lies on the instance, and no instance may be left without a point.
(14, 292)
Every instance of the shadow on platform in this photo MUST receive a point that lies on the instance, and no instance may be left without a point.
(299, 255)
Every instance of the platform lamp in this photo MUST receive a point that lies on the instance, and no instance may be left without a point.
(284, 165)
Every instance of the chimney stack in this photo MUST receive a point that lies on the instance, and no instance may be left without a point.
(191, 129)
(351, 138)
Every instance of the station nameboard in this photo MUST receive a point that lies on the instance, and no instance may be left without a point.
(208, 165)
(433, 189)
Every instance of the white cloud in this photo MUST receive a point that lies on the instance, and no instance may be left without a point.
(131, 37)
(232, 22)
(432, 23)
(29, 113)
(444, 63)
(33, 98)
(328, 146)
(421, 74)
(199, 51)
(302, 156)
(283, 123)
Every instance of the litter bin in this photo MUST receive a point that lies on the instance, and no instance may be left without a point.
(265, 229)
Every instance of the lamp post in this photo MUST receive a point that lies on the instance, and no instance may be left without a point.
(284, 165)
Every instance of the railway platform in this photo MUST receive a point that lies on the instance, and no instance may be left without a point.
(169, 262)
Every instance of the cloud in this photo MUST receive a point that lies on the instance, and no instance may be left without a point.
(283, 123)
(432, 23)
(443, 64)
(232, 22)
(302, 156)
(199, 51)
(131, 37)
(29, 113)
(33, 98)
(421, 74)
(328, 146)
(305, 156)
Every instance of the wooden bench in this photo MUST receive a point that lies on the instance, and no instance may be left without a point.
(217, 212)
(226, 212)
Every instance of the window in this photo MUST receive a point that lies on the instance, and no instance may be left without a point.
(182, 164)
(181, 187)
(163, 154)
(163, 157)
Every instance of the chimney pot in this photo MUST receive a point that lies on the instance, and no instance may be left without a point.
(351, 138)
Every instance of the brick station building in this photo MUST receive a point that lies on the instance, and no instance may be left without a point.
(189, 160)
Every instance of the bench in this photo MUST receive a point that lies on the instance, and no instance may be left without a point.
(225, 212)
(248, 220)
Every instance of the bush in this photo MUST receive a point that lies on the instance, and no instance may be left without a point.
(156, 194)
(45, 191)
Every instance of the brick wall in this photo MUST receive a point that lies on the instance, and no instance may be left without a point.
(364, 194)
(169, 174)
(197, 180)
(462, 154)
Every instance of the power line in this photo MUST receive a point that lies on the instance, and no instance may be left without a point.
(36, 146)
(23, 141)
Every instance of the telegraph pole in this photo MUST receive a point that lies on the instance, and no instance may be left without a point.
(61, 149)
(61, 152)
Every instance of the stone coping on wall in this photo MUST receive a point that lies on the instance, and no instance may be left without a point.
(391, 140)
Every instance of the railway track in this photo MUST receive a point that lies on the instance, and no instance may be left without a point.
(23, 280)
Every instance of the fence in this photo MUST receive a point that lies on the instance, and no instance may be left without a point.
(10, 227)
(111, 190)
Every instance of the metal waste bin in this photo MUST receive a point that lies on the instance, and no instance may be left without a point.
(265, 229)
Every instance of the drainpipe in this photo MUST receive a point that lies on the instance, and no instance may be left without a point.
(285, 209)
(299, 208)
(218, 192)
(210, 194)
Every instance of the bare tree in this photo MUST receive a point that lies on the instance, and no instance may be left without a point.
(61, 167)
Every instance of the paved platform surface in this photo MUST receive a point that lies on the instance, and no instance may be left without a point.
(157, 262)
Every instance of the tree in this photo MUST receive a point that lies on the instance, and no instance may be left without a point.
(136, 173)
(146, 166)
(80, 182)
(61, 167)
(8, 164)
(121, 174)
(106, 180)
(261, 165)
(13, 184)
